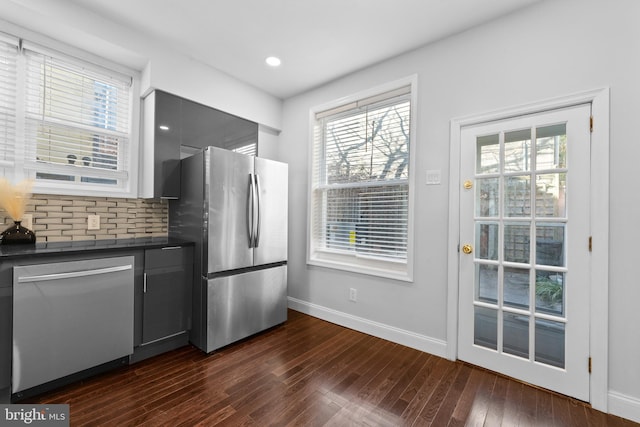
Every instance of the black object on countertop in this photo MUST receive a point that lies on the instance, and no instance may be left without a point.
(17, 235)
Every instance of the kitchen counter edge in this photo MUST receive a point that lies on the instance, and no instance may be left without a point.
(38, 250)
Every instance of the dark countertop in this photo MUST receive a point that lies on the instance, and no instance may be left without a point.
(79, 246)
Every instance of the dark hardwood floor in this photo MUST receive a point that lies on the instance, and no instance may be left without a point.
(311, 372)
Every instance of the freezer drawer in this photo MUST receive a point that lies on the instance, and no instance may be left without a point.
(243, 304)
(70, 316)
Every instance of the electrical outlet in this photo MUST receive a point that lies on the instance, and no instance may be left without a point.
(353, 294)
(27, 221)
(93, 222)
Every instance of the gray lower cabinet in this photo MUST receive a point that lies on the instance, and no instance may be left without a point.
(162, 286)
(6, 301)
(166, 300)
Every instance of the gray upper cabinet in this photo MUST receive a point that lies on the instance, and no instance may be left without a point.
(160, 158)
(174, 128)
(203, 127)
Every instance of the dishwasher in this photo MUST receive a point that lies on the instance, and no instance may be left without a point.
(69, 317)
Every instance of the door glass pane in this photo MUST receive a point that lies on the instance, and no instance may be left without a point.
(550, 292)
(550, 245)
(487, 240)
(549, 342)
(487, 283)
(516, 242)
(551, 147)
(517, 151)
(515, 334)
(550, 195)
(487, 197)
(485, 327)
(516, 287)
(488, 154)
(517, 196)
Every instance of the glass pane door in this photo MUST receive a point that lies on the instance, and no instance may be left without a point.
(516, 279)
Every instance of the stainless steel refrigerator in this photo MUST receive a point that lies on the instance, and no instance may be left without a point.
(234, 207)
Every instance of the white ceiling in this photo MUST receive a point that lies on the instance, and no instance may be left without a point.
(317, 41)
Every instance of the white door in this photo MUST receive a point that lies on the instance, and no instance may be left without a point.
(524, 248)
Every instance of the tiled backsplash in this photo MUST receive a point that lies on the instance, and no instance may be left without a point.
(64, 218)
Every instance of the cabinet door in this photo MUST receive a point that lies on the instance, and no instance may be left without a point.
(175, 128)
(6, 303)
(167, 290)
(204, 126)
(165, 136)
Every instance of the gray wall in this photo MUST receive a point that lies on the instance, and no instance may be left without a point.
(552, 49)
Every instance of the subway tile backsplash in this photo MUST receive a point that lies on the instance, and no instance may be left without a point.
(64, 218)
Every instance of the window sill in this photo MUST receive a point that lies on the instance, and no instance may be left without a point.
(66, 189)
(363, 265)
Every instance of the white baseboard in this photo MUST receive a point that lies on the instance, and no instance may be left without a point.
(624, 406)
(400, 336)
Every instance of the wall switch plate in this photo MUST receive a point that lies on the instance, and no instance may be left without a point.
(433, 177)
(27, 221)
(93, 222)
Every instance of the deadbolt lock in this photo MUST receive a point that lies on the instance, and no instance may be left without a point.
(467, 249)
(468, 185)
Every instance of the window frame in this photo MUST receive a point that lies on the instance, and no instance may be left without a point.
(130, 156)
(369, 265)
(8, 102)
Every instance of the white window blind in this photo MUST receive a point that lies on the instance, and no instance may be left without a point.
(360, 182)
(77, 120)
(8, 63)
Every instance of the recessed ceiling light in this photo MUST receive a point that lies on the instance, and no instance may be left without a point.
(164, 127)
(273, 61)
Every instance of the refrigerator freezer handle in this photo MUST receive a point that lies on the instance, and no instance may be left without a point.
(258, 206)
(250, 208)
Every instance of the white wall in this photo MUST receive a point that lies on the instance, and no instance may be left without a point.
(552, 49)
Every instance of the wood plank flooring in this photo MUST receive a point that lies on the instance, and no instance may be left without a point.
(311, 372)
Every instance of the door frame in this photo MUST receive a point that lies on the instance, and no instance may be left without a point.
(599, 205)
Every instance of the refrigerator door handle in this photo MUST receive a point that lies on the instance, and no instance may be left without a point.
(256, 237)
(250, 208)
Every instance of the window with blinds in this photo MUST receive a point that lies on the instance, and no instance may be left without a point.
(64, 122)
(76, 121)
(8, 64)
(360, 184)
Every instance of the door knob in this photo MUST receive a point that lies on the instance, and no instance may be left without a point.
(467, 249)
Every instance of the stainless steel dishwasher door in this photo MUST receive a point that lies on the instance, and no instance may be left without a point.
(70, 316)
